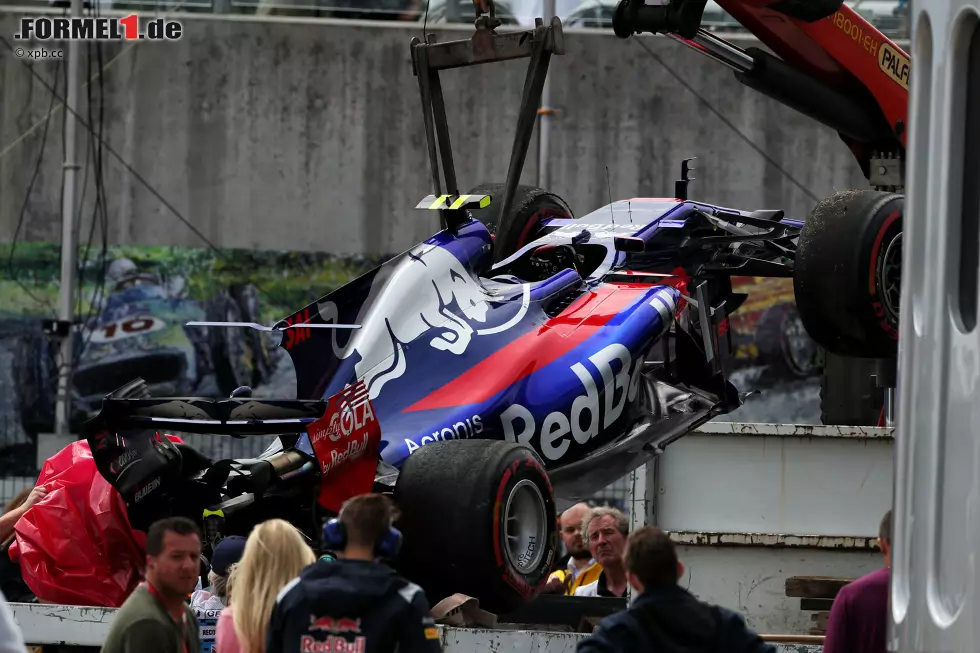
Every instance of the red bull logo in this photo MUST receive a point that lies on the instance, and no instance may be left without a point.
(336, 625)
(410, 298)
(332, 644)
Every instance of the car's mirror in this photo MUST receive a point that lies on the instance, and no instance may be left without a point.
(629, 244)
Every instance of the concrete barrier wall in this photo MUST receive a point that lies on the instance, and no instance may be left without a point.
(307, 135)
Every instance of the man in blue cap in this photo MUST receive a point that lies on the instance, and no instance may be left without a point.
(226, 554)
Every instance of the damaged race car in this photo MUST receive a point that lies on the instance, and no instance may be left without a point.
(517, 361)
(479, 393)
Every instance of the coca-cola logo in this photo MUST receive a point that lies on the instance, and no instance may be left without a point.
(349, 418)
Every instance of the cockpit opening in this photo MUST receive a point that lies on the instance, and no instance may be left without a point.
(548, 259)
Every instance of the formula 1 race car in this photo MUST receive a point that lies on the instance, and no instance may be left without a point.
(482, 379)
(475, 391)
(516, 361)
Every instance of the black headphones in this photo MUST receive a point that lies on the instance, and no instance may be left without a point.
(387, 546)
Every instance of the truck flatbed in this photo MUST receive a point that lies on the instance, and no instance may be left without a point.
(73, 626)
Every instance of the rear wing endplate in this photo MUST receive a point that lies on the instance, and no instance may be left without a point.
(454, 202)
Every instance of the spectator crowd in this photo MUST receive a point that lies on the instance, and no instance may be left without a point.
(272, 593)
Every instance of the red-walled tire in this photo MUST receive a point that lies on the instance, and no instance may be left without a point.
(523, 223)
(847, 277)
(454, 499)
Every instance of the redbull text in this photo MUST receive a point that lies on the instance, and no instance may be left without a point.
(618, 388)
(353, 451)
(332, 644)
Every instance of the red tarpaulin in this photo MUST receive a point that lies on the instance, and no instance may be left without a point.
(76, 546)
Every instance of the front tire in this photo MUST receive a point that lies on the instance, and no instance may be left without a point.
(479, 518)
(847, 273)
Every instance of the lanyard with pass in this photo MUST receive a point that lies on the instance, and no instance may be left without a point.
(183, 616)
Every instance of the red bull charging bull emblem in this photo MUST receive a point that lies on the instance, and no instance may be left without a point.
(335, 625)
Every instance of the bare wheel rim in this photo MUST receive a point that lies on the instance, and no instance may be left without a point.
(525, 527)
(890, 278)
(799, 348)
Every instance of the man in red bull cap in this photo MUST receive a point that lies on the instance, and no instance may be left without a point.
(355, 602)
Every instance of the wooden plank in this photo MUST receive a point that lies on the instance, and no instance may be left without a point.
(814, 587)
(792, 639)
(797, 430)
(69, 626)
(816, 604)
(820, 620)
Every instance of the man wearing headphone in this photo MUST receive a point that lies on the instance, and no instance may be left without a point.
(356, 602)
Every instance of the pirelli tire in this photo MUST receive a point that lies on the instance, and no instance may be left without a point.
(524, 222)
(478, 518)
(847, 277)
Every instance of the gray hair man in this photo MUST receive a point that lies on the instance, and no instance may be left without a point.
(605, 531)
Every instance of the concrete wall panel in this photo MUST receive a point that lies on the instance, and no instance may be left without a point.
(306, 135)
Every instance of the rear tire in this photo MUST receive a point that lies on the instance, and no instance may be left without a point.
(848, 273)
(523, 223)
(454, 499)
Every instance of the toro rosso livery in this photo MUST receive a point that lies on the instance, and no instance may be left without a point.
(481, 389)
(552, 347)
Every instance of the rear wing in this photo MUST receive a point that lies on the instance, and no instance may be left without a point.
(131, 451)
(234, 417)
(485, 46)
(128, 408)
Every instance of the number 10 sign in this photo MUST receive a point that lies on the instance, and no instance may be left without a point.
(126, 328)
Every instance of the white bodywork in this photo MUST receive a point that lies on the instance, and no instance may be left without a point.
(750, 505)
(934, 604)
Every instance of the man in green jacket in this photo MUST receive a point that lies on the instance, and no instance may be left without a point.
(156, 618)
